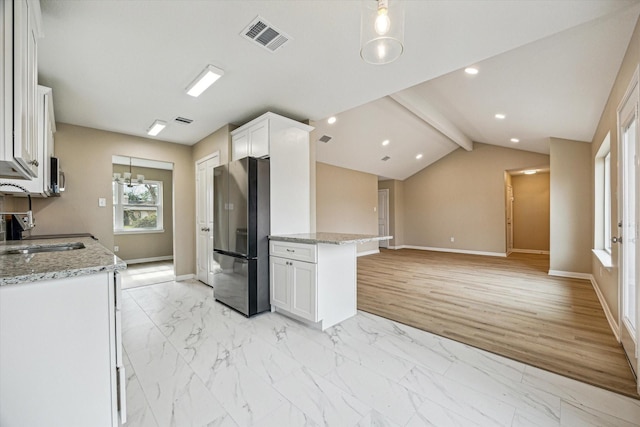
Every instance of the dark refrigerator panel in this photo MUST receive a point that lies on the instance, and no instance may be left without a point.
(238, 207)
(220, 208)
(232, 281)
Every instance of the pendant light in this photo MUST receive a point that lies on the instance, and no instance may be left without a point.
(126, 177)
(381, 31)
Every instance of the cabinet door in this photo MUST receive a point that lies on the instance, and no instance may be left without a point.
(280, 282)
(303, 285)
(25, 84)
(240, 145)
(259, 139)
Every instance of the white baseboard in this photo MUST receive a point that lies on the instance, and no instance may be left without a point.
(615, 328)
(373, 252)
(570, 274)
(455, 251)
(152, 259)
(396, 247)
(185, 277)
(530, 251)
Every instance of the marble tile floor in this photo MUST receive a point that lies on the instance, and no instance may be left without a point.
(147, 273)
(191, 361)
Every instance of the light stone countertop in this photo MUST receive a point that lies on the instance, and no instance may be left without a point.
(328, 238)
(26, 268)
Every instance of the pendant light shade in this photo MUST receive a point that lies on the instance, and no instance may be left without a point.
(381, 31)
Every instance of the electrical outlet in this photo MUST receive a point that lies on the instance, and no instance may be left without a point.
(453, 239)
(116, 248)
(102, 202)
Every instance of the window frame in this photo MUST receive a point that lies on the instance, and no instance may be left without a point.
(119, 207)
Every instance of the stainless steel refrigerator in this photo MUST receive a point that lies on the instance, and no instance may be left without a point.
(240, 235)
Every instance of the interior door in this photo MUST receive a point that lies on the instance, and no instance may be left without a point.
(383, 216)
(204, 218)
(509, 219)
(628, 225)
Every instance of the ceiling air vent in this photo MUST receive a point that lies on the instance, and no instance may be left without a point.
(265, 35)
(385, 158)
(183, 120)
(324, 138)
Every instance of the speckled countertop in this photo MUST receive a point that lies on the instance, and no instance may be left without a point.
(329, 238)
(25, 268)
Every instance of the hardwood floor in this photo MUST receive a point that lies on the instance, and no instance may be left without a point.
(509, 306)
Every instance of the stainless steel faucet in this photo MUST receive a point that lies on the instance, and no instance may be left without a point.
(27, 221)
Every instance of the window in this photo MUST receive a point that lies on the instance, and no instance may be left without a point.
(137, 208)
(606, 206)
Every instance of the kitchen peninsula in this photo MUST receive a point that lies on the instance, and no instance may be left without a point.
(314, 276)
(61, 358)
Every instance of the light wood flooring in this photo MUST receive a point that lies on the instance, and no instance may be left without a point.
(509, 306)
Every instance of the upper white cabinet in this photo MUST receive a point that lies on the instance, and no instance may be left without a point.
(41, 185)
(19, 88)
(251, 141)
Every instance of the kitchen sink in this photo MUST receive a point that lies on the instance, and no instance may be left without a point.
(45, 248)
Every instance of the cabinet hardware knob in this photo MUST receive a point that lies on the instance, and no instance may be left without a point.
(34, 163)
(290, 250)
(616, 239)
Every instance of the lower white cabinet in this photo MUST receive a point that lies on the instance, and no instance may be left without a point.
(61, 353)
(294, 287)
(315, 283)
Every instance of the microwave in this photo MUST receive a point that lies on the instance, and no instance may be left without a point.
(57, 181)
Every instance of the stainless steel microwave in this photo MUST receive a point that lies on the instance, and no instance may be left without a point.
(57, 177)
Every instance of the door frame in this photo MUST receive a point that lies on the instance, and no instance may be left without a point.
(214, 155)
(384, 243)
(632, 88)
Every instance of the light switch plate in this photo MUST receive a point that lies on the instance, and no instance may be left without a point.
(102, 202)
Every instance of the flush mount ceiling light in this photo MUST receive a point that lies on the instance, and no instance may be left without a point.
(471, 70)
(331, 120)
(385, 142)
(515, 140)
(156, 128)
(530, 172)
(206, 78)
(381, 31)
(500, 116)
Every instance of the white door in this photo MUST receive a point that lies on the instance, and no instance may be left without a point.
(628, 224)
(509, 219)
(383, 216)
(204, 218)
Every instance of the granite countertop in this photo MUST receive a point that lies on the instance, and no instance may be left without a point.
(329, 238)
(26, 268)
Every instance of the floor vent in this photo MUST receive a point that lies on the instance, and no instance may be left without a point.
(183, 120)
(265, 35)
(324, 138)
(385, 158)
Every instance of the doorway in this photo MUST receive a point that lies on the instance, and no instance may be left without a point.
(383, 216)
(628, 215)
(204, 217)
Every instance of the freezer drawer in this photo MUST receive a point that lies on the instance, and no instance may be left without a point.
(231, 281)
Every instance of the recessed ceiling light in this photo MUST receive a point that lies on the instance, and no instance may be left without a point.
(156, 127)
(331, 120)
(385, 142)
(515, 140)
(419, 156)
(205, 79)
(529, 172)
(471, 70)
(500, 116)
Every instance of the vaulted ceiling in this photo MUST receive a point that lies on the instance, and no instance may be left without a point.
(547, 65)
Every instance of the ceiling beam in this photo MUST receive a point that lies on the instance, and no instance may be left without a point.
(421, 108)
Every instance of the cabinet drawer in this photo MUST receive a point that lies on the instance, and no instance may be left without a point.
(298, 251)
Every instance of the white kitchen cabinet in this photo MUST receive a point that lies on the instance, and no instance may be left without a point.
(294, 287)
(61, 353)
(286, 143)
(314, 283)
(18, 88)
(41, 185)
(251, 141)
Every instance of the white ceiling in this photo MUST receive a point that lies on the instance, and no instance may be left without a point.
(548, 65)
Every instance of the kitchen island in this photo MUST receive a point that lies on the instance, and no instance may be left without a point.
(61, 359)
(313, 276)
